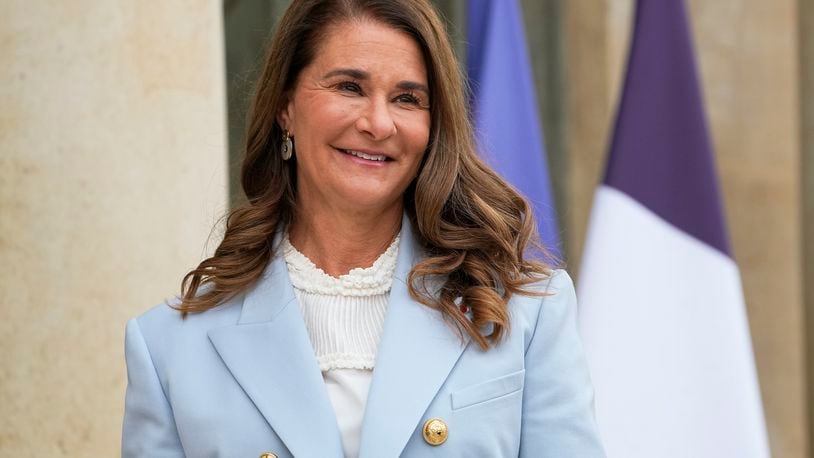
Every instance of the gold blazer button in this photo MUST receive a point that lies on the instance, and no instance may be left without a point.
(268, 455)
(435, 431)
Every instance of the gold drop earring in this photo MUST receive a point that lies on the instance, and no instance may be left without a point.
(287, 147)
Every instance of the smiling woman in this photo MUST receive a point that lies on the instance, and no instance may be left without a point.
(359, 115)
(373, 297)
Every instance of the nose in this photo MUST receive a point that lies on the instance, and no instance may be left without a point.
(376, 121)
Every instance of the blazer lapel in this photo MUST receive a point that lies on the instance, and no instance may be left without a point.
(269, 354)
(417, 351)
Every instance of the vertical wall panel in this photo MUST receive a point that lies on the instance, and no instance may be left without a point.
(112, 173)
(589, 100)
(806, 67)
(247, 27)
(748, 55)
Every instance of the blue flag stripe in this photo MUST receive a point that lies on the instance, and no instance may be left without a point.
(505, 107)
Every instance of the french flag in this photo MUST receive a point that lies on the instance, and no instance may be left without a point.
(662, 312)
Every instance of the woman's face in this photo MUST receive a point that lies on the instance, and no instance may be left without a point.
(360, 118)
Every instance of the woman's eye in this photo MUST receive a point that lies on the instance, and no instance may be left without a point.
(409, 98)
(349, 86)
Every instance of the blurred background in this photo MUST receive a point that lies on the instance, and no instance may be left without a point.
(121, 125)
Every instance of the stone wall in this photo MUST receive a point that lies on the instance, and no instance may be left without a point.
(112, 173)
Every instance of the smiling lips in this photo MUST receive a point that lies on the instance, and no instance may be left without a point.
(366, 156)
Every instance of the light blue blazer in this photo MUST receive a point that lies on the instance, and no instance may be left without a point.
(241, 379)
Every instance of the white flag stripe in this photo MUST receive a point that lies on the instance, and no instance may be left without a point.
(663, 321)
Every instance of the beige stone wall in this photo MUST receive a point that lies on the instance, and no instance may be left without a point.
(806, 36)
(751, 82)
(112, 171)
(748, 55)
(589, 105)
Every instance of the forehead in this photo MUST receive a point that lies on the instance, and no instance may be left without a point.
(370, 45)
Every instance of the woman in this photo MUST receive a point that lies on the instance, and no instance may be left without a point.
(372, 297)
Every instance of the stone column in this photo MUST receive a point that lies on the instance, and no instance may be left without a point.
(112, 173)
(806, 67)
(589, 100)
(748, 55)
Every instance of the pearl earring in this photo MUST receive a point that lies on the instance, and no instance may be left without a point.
(287, 148)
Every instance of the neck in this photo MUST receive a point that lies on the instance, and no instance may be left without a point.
(338, 241)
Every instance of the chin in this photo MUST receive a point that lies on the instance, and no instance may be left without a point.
(372, 199)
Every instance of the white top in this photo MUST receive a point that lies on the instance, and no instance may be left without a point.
(344, 317)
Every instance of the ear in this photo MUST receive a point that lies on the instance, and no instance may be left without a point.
(285, 118)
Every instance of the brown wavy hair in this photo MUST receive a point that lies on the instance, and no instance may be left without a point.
(473, 227)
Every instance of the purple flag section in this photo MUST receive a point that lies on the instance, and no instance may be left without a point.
(661, 154)
(505, 107)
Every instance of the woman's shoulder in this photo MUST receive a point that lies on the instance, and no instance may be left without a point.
(555, 281)
(169, 340)
(552, 297)
(553, 287)
(164, 321)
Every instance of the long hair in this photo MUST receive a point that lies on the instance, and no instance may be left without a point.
(473, 227)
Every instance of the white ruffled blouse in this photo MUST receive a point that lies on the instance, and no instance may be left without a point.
(344, 316)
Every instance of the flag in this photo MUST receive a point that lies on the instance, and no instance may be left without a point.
(662, 312)
(504, 107)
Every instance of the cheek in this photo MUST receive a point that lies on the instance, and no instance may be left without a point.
(334, 110)
(422, 141)
(319, 114)
(417, 133)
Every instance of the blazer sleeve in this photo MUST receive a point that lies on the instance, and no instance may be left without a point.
(149, 427)
(558, 411)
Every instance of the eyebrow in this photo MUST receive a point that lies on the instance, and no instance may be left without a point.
(352, 72)
(355, 73)
(412, 86)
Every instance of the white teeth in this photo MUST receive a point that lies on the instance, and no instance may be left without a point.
(369, 157)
